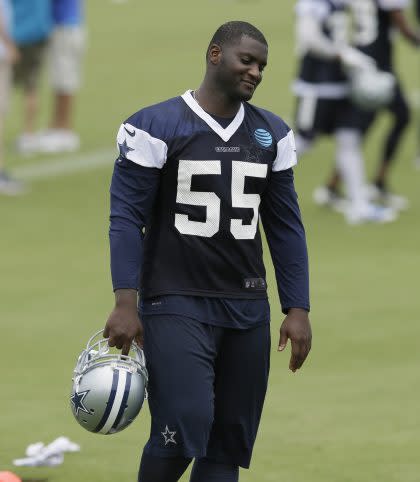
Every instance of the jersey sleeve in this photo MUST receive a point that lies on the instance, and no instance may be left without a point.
(286, 153)
(140, 147)
(134, 185)
(281, 219)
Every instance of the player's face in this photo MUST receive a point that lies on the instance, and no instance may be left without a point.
(241, 66)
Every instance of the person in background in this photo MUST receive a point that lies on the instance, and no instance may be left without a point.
(31, 29)
(9, 55)
(67, 46)
(374, 23)
(322, 88)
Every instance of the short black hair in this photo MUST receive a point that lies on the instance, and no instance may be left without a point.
(232, 32)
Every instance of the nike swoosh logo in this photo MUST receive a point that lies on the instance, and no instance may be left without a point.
(132, 134)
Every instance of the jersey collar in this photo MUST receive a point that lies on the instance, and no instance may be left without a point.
(225, 134)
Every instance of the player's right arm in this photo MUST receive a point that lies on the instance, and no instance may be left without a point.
(286, 239)
(132, 194)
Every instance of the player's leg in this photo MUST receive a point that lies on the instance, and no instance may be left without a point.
(306, 108)
(180, 354)
(350, 164)
(241, 382)
(162, 469)
(8, 185)
(315, 116)
(205, 470)
(400, 112)
(66, 50)
(28, 72)
(401, 118)
(352, 125)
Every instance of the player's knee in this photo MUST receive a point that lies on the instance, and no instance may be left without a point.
(236, 433)
(349, 145)
(403, 119)
(402, 115)
(197, 414)
(348, 138)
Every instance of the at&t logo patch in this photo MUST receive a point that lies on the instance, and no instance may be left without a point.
(263, 137)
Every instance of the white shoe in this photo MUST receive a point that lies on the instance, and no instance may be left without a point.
(323, 196)
(383, 196)
(58, 140)
(10, 186)
(27, 144)
(371, 213)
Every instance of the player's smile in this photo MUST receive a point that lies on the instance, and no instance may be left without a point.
(249, 84)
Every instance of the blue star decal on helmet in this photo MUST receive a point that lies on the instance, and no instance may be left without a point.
(77, 401)
(124, 148)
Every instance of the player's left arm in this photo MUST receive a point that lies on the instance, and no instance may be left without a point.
(281, 218)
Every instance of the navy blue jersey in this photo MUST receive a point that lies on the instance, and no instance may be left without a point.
(373, 28)
(323, 77)
(197, 191)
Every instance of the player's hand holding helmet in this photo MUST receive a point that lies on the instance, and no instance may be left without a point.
(108, 388)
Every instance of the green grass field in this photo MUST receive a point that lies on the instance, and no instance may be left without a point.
(351, 414)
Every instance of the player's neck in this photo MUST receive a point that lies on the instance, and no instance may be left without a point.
(216, 102)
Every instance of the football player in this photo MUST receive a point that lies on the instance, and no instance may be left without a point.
(374, 22)
(193, 177)
(322, 89)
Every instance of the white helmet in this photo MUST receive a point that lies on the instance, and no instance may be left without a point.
(371, 89)
(108, 388)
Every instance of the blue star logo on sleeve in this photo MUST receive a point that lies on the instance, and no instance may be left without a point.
(124, 148)
(169, 436)
(77, 401)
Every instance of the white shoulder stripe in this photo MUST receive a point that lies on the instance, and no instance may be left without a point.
(140, 147)
(286, 153)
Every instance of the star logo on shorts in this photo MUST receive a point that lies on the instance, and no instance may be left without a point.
(169, 436)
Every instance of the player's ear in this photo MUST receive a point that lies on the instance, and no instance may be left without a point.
(214, 54)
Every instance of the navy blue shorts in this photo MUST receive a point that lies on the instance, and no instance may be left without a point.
(325, 116)
(207, 386)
